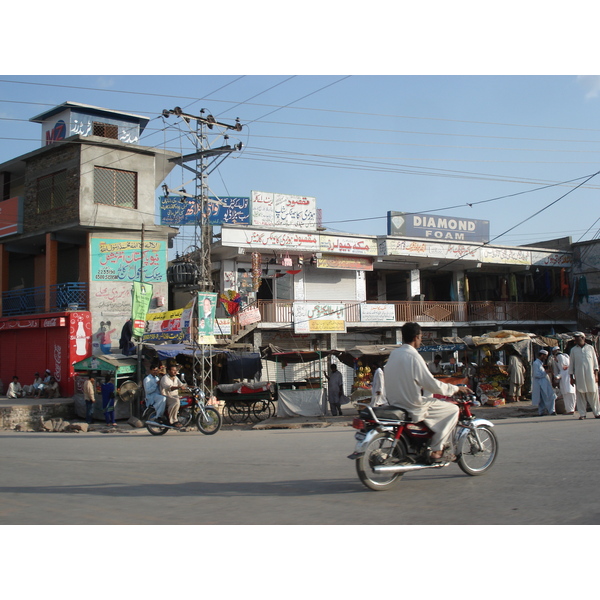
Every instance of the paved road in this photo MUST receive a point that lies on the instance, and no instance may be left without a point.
(299, 476)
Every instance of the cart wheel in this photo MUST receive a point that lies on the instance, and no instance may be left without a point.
(237, 412)
(261, 410)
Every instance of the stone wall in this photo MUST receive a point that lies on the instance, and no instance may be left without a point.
(34, 415)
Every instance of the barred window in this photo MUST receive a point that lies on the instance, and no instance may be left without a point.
(114, 187)
(52, 192)
(105, 130)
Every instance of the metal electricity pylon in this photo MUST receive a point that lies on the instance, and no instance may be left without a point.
(207, 157)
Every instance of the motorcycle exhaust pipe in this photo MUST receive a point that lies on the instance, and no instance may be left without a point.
(383, 469)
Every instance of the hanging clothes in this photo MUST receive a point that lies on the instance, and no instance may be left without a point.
(582, 290)
(513, 294)
(564, 283)
(503, 288)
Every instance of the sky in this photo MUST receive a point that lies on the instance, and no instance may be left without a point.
(520, 151)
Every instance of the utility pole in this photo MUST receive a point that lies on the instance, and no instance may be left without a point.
(207, 158)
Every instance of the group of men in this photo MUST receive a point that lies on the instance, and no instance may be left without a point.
(574, 374)
(46, 386)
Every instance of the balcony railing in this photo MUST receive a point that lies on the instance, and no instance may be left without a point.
(28, 301)
(280, 311)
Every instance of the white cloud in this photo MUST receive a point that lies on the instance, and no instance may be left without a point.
(590, 84)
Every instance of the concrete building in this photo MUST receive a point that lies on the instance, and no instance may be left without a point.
(78, 227)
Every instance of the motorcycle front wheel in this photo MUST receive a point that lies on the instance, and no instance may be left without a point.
(473, 459)
(208, 422)
(150, 415)
(378, 453)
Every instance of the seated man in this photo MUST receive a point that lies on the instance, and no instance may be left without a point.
(30, 390)
(51, 389)
(406, 375)
(14, 389)
(151, 388)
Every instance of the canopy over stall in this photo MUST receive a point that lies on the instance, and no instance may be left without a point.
(103, 367)
(303, 395)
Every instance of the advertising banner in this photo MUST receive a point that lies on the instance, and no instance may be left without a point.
(284, 210)
(377, 312)
(320, 318)
(164, 327)
(436, 227)
(207, 303)
(228, 210)
(141, 296)
(121, 260)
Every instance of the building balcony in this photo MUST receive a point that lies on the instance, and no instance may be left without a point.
(517, 314)
(28, 301)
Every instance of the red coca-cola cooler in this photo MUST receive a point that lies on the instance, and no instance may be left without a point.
(51, 341)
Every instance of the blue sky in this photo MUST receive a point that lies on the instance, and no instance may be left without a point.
(486, 147)
(452, 108)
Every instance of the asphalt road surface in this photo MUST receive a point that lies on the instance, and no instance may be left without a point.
(547, 472)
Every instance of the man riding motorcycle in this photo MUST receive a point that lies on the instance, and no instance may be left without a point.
(406, 377)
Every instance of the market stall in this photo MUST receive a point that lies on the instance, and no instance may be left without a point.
(492, 373)
(103, 367)
(298, 378)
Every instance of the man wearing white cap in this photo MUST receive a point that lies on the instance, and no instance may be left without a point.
(561, 374)
(583, 369)
(542, 394)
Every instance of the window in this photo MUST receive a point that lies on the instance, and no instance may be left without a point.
(106, 130)
(115, 188)
(52, 192)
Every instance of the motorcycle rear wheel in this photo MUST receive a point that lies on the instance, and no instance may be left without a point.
(209, 424)
(150, 415)
(376, 454)
(473, 461)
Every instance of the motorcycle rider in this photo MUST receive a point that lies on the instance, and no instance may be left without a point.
(407, 376)
(170, 385)
(151, 388)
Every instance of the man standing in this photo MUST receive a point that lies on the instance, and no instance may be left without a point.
(542, 394)
(561, 366)
(335, 390)
(152, 390)
(89, 395)
(169, 386)
(516, 373)
(583, 370)
(377, 387)
(406, 374)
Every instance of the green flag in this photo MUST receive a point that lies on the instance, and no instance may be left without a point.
(142, 294)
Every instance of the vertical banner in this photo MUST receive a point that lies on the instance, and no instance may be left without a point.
(207, 303)
(142, 294)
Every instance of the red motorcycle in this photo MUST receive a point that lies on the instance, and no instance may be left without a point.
(389, 444)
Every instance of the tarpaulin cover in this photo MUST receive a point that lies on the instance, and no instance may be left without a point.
(301, 403)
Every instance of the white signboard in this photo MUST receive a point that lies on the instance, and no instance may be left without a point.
(319, 318)
(370, 313)
(348, 245)
(254, 239)
(284, 210)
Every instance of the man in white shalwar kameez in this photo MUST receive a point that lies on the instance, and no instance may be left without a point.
(542, 394)
(561, 373)
(583, 369)
(407, 377)
(378, 397)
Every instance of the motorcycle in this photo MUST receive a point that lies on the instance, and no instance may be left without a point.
(192, 408)
(389, 444)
